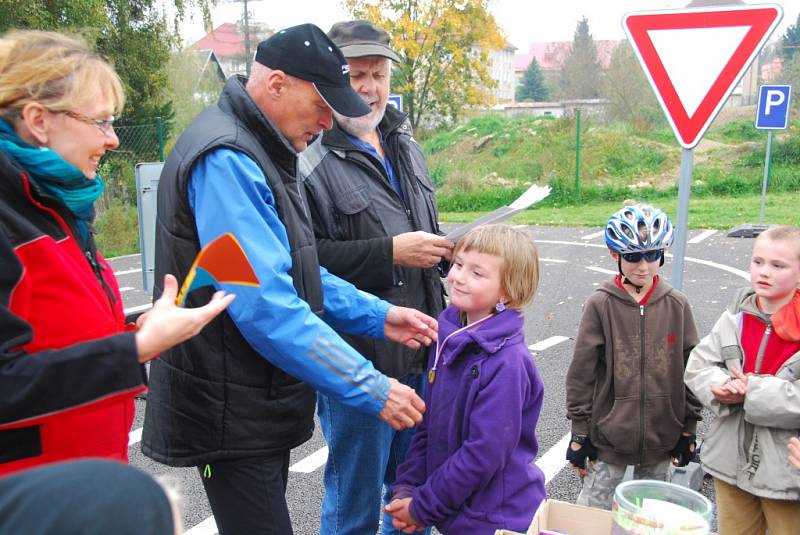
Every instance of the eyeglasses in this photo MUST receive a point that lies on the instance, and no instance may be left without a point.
(649, 256)
(104, 125)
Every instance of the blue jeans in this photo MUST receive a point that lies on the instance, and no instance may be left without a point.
(363, 455)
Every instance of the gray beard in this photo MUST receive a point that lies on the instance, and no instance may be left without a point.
(360, 126)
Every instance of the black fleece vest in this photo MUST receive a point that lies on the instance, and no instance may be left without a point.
(214, 397)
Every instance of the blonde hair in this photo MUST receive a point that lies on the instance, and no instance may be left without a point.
(784, 233)
(54, 70)
(520, 270)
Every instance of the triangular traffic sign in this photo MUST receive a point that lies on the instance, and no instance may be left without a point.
(695, 57)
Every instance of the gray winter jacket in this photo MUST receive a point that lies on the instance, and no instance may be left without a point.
(746, 445)
(356, 213)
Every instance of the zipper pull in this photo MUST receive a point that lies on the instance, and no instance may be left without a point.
(641, 310)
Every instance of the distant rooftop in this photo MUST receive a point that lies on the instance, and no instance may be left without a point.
(226, 40)
(551, 55)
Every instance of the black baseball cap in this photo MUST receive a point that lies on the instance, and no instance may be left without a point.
(360, 38)
(305, 52)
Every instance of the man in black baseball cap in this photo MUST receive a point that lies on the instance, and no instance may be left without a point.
(305, 52)
(236, 398)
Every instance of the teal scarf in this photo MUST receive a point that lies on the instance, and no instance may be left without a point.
(56, 177)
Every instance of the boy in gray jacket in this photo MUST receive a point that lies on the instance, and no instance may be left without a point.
(747, 372)
(625, 391)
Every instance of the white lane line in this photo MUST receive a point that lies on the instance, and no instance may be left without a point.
(723, 267)
(124, 256)
(702, 236)
(593, 235)
(137, 309)
(602, 270)
(134, 437)
(553, 260)
(206, 527)
(554, 460)
(547, 342)
(128, 272)
(126, 289)
(312, 462)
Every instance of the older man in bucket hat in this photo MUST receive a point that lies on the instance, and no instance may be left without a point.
(375, 219)
(234, 400)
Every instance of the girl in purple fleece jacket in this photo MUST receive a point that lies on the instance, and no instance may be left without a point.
(470, 467)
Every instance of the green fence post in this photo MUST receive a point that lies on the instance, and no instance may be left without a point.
(578, 152)
(160, 134)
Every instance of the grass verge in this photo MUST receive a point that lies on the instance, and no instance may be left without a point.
(705, 213)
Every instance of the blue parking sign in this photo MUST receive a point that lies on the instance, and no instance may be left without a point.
(773, 107)
(396, 101)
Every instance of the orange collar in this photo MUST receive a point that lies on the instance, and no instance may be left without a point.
(786, 321)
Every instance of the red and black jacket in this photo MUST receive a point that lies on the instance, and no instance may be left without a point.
(68, 369)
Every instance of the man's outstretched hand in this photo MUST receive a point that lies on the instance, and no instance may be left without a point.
(410, 327)
(404, 407)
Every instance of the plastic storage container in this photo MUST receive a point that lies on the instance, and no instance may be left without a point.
(647, 507)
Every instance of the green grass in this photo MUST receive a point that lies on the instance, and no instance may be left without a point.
(705, 213)
(117, 230)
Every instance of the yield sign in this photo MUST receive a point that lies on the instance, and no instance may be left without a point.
(695, 57)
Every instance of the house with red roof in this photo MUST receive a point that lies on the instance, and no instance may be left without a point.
(228, 44)
(551, 56)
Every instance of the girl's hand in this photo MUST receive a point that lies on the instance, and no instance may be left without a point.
(794, 452)
(401, 516)
(166, 324)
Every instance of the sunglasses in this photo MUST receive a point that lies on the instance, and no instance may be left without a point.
(649, 256)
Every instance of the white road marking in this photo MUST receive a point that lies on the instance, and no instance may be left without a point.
(593, 235)
(553, 260)
(723, 267)
(312, 462)
(124, 256)
(128, 271)
(137, 309)
(134, 437)
(554, 460)
(126, 289)
(602, 270)
(547, 342)
(702, 236)
(206, 527)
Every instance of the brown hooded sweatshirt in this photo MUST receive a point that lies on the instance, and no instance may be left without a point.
(625, 383)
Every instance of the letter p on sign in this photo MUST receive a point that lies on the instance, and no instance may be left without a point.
(773, 107)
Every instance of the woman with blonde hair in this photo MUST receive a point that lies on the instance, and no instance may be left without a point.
(69, 366)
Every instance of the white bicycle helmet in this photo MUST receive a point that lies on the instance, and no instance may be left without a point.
(639, 228)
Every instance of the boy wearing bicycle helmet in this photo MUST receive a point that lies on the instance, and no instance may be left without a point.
(625, 391)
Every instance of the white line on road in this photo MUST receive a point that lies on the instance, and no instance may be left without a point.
(702, 236)
(134, 437)
(553, 260)
(206, 527)
(602, 270)
(126, 289)
(128, 272)
(547, 342)
(723, 267)
(593, 235)
(137, 309)
(312, 462)
(554, 460)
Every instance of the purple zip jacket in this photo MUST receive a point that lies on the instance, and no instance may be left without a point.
(470, 465)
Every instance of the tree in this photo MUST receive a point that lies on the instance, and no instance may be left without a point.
(581, 72)
(532, 87)
(133, 34)
(444, 48)
(790, 42)
(630, 97)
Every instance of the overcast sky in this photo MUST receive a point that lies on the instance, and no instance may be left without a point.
(523, 21)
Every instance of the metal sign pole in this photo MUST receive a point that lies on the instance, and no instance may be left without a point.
(767, 159)
(684, 190)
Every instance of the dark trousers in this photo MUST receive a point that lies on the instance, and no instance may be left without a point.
(248, 496)
(86, 497)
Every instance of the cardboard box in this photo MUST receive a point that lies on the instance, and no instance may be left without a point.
(569, 518)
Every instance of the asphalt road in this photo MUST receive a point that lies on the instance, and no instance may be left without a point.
(574, 261)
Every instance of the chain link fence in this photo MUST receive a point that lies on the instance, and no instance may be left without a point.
(137, 144)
